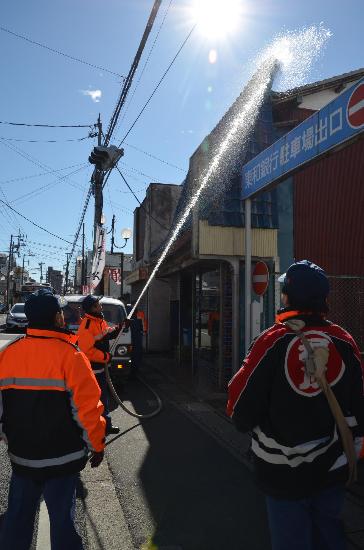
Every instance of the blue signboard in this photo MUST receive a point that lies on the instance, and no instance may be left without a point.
(335, 123)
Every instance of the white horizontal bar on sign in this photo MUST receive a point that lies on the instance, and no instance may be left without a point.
(260, 278)
(355, 108)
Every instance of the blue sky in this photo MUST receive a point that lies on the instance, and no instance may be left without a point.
(38, 86)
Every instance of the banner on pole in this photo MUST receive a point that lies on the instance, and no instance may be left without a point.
(98, 262)
(115, 275)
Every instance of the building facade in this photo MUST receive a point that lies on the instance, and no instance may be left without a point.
(199, 288)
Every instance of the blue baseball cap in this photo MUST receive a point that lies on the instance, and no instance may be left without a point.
(89, 301)
(305, 281)
(41, 307)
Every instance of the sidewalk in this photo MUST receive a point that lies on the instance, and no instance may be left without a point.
(200, 389)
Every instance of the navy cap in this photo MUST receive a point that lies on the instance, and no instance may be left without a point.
(41, 307)
(89, 301)
(304, 281)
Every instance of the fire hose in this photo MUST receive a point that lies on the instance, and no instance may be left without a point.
(124, 407)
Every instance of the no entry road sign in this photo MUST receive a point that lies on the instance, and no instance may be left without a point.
(355, 110)
(260, 278)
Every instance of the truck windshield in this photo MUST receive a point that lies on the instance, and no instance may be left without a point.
(114, 314)
(18, 308)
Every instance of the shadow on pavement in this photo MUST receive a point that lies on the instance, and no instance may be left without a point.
(199, 496)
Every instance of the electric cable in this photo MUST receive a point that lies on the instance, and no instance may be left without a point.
(140, 204)
(33, 223)
(22, 178)
(46, 245)
(47, 140)
(129, 78)
(35, 161)
(158, 84)
(150, 178)
(154, 157)
(145, 65)
(53, 50)
(78, 230)
(47, 186)
(47, 125)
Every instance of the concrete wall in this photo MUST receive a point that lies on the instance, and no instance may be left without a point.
(317, 100)
(159, 316)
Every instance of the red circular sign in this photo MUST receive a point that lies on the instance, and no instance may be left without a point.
(296, 354)
(260, 278)
(355, 108)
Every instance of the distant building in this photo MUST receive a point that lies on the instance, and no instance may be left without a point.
(55, 279)
(114, 275)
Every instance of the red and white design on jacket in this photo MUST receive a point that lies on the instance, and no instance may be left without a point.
(294, 366)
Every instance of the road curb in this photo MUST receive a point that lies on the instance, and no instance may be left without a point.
(106, 526)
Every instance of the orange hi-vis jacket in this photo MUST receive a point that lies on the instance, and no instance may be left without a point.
(50, 408)
(93, 336)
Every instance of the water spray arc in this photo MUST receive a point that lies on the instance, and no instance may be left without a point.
(292, 55)
(238, 130)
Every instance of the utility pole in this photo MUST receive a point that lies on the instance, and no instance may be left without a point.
(98, 178)
(41, 264)
(68, 254)
(22, 271)
(10, 261)
(112, 234)
(83, 278)
(12, 247)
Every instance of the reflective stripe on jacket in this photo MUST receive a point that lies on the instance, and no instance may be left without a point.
(295, 443)
(90, 334)
(50, 408)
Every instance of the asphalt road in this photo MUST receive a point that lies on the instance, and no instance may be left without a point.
(179, 487)
(179, 481)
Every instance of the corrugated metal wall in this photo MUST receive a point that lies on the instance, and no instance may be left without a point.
(329, 212)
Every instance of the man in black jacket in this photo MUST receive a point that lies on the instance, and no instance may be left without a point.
(298, 454)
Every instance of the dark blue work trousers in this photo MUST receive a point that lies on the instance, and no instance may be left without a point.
(102, 382)
(24, 495)
(312, 523)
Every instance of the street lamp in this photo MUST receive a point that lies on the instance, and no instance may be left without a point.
(126, 234)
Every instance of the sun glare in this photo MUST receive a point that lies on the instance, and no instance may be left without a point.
(216, 18)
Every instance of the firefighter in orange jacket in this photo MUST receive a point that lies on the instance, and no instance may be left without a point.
(51, 418)
(94, 335)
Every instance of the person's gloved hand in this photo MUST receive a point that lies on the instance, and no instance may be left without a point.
(125, 324)
(96, 458)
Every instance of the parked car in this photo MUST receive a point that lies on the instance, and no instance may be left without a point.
(16, 318)
(114, 313)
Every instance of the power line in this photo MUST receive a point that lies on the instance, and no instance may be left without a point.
(36, 162)
(140, 204)
(154, 157)
(152, 178)
(33, 223)
(41, 174)
(129, 78)
(88, 196)
(46, 125)
(146, 63)
(61, 53)
(159, 83)
(47, 140)
(47, 245)
(47, 186)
